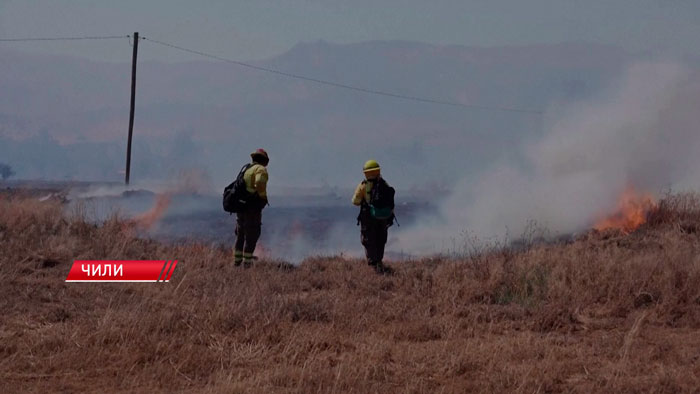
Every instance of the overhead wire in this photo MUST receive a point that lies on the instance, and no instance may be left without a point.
(25, 39)
(342, 85)
(288, 74)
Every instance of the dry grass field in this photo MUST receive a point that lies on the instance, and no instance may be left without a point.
(607, 312)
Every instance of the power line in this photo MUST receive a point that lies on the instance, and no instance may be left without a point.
(24, 39)
(286, 74)
(344, 86)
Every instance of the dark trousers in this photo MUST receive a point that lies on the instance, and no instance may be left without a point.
(248, 225)
(373, 233)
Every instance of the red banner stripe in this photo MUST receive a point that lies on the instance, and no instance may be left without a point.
(171, 271)
(162, 270)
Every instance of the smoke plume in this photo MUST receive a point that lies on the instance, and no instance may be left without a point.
(641, 133)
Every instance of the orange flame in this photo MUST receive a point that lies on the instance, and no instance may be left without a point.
(147, 219)
(632, 210)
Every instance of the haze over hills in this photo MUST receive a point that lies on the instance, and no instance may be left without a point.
(66, 118)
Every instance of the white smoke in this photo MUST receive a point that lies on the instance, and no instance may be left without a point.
(642, 133)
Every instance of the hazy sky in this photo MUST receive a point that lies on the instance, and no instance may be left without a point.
(258, 29)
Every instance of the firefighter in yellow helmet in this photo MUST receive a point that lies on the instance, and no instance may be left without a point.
(375, 198)
(249, 220)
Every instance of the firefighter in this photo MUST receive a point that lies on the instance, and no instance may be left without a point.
(376, 201)
(249, 221)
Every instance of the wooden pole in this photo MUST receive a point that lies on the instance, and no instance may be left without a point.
(133, 99)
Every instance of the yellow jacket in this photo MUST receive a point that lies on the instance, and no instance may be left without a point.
(362, 192)
(256, 180)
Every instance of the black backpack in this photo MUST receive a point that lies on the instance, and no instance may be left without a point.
(381, 200)
(236, 195)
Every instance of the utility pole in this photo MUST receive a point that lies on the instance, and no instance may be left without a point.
(133, 99)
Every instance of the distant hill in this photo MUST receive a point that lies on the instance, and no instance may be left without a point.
(67, 117)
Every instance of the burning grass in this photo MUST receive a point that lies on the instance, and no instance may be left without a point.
(607, 312)
(632, 210)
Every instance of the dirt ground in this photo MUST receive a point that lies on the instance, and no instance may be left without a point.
(608, 312)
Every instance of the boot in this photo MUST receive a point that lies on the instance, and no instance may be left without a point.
(238, 258)
(382, 269)
(248, 260)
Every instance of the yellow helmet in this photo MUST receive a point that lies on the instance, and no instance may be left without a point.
(370, 165)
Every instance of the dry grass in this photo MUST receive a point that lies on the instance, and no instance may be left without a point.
(606, 313)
